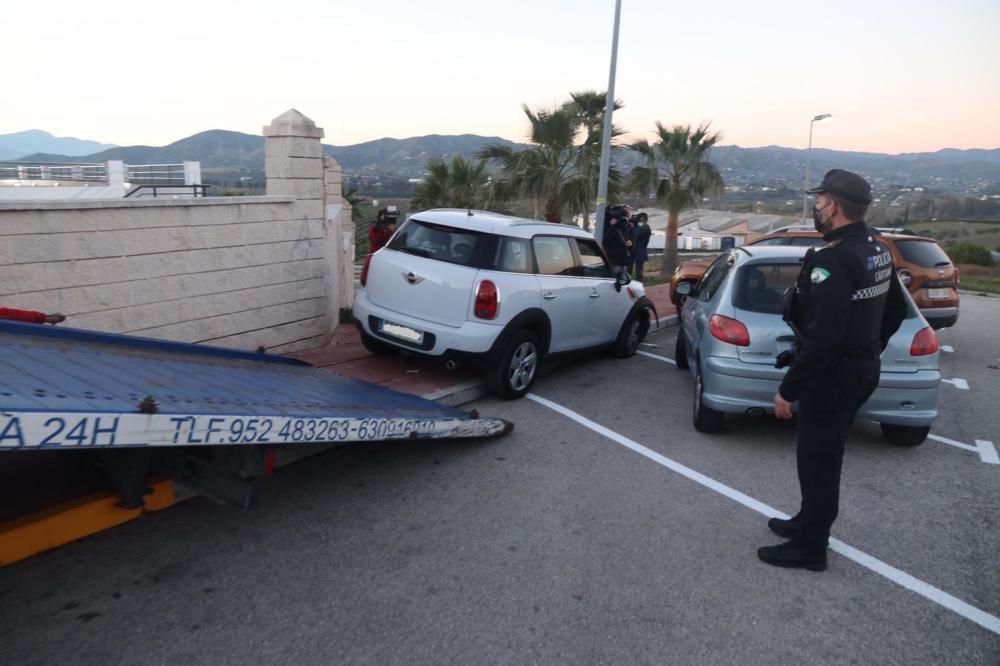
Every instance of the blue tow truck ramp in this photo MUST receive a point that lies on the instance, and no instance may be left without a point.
(136, 399)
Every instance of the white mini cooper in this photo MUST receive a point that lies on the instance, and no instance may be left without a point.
(498, 293)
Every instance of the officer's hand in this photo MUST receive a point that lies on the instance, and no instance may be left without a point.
(782, 408)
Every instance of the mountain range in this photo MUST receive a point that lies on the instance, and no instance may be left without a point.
(222, 151)
(17, 145)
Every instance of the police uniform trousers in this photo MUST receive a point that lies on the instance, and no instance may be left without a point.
(826, 411)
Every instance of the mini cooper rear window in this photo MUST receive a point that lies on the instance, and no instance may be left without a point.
(436, 241)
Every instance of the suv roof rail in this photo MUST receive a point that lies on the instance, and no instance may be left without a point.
(793, 227)
(895, 230)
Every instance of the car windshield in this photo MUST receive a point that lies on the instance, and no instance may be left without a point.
(924, 253)
(760, 287)
(436, 241)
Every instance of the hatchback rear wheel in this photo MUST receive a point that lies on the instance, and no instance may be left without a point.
(516, 367)
(900, 435)
(705, 419)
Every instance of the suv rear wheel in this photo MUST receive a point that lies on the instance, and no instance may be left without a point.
(900, 435)
(517, 366)
(377, 347)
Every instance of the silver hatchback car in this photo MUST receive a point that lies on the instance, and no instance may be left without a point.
(732, 331)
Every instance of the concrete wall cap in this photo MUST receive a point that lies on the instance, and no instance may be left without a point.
(293, 123)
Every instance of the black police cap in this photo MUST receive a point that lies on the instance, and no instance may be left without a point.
(846, 185)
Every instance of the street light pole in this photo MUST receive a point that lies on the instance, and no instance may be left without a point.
(805, 182)
(609, 107)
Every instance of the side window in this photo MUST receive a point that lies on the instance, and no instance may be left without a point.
(772, 241)
(593, 261)
(807, 241)
(714, 277)
(515, 256)
(554, 255)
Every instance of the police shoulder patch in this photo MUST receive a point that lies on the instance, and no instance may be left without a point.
(818, 275)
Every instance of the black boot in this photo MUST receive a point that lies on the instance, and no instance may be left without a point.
(784, 528)
(792, 555)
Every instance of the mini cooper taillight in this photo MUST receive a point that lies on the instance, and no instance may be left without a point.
(487, 301)
(364, 270)
(729, 330)
(924, 343)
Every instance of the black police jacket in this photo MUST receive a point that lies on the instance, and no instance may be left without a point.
(847, 303)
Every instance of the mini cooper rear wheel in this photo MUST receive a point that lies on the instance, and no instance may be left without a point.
(517, 366)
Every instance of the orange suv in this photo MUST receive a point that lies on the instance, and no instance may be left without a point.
(921, 264)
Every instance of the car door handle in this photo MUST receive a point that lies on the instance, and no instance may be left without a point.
(549, 296)
(594, 294)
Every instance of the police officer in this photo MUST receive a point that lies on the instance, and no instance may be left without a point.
(847, 303)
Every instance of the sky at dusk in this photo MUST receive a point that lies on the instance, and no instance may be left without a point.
(898, 76)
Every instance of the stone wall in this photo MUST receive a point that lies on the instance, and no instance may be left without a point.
(240, 272)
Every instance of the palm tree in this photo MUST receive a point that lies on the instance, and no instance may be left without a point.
(588, 109)
(547, 167)
(677, 170)
(460, 184)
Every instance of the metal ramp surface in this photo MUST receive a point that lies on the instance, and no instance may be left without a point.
(65, 388)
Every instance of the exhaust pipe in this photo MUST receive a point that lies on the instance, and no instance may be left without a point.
(756, 411)
(450, 364)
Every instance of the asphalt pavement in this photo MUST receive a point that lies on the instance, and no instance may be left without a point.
(604, 529)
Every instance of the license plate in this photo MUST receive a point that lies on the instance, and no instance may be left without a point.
(938, 294)
(402, 332)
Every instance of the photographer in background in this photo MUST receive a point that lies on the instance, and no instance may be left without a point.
(639, 234)
(384, 227)
(616, 241)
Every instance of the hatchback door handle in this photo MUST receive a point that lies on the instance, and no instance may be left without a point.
(548, 296)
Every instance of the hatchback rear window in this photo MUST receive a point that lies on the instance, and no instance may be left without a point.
(923, 253)
(436, 241)
(761, 287)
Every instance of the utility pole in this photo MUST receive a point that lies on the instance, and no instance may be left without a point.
(609, 107)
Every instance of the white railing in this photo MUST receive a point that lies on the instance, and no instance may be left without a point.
(55, 171)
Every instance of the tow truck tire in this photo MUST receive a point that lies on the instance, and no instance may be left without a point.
(377, 347)
(516, 367)
(900, 435)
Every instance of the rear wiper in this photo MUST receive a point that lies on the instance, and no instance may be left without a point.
(942, 263)
(416, 250)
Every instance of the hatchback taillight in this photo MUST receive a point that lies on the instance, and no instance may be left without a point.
(487, 301)
(364, 270)
(905, 276)
(924, 343)
(729, 330)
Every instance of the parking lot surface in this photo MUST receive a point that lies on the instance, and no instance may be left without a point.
(604, 529)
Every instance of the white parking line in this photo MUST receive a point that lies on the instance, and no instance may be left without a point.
(958, 383)
(987, 453)
(901, 578)
(657, 357)
(984, 448)
(947, 348)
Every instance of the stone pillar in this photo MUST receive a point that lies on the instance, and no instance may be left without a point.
(293, 161)
(293, 164)
(116, 176)
(339, 227)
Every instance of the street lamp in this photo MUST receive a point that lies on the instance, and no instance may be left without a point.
(609, 107)
(805, 185)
